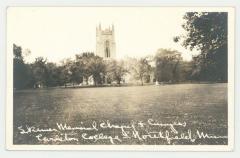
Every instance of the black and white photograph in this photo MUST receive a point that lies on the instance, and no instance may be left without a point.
(120, 78)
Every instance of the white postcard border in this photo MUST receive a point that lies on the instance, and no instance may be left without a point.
(229, 147)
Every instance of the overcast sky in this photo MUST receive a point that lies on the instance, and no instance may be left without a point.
(61, 32)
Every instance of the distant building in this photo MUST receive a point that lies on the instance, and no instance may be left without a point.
(105, 42)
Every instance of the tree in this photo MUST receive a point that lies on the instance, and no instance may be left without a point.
(185, 70)
(39, 72)
(77, 69)
(207, 32)
(83, 66)
(53, 75)
(85, 60)
(65, 73)
(115, 71)
(167, 65)
(97, 69)
(20, 69)
(141, 69)
(90, 65)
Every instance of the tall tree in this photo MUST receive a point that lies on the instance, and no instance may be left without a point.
(208, 33)
(53, 75)
(20, 69)
(141, 69)
(167, 65)
(39, 71)
(115, 71)
(65, 73)
(98, 69)
(85, 59)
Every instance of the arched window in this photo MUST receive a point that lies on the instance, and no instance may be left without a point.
(107, 50)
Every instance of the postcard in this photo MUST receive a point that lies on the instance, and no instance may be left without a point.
(120, 78)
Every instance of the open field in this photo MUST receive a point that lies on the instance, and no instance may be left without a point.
(202, 106)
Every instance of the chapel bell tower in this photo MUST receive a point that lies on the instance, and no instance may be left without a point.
(105, 42)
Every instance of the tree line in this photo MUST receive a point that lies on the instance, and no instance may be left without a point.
(166, 66)
(84, 68)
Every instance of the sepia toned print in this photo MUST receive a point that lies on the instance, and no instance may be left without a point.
(122, 78)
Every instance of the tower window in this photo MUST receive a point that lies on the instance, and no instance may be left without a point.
(107, 50)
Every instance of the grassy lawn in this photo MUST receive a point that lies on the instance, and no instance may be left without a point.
(202, 106)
